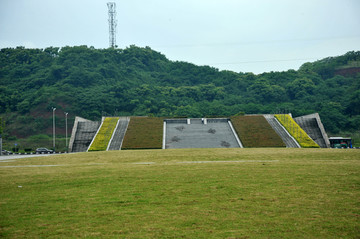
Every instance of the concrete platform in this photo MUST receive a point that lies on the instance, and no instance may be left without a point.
(200, 133)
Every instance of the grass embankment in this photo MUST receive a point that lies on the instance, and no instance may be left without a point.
(103, 137)
(255, 131)
(144, 133)
(233, 193)
(296, 131)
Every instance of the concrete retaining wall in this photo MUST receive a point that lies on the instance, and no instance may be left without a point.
(313, 126)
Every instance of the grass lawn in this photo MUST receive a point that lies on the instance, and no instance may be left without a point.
(189, 193)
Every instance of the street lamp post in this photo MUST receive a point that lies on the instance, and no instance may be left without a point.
(54, 127)
(66, 130)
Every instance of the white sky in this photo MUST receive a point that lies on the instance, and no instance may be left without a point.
(239, 35)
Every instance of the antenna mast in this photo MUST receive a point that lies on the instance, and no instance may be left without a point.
(112, 24)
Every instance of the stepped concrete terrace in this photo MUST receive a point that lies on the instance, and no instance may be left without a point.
(313, 126)
(289, 141)
(119, 134)
(83, 132)
(199, 133)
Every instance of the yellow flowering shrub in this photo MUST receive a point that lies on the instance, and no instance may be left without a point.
(296, 131)
(103, 137)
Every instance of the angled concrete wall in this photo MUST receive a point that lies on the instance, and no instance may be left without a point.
(313, 126)
(82, 134)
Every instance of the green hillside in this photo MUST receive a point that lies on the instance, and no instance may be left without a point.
(136, 81)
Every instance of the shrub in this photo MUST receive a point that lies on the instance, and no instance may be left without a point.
(296, 131)
(39, 137)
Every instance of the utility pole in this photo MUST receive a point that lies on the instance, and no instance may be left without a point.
(1, 129)
(66, 131)
(54, 127)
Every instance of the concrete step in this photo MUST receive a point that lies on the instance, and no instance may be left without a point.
(199, 133)
(84, 134)
(119, 133)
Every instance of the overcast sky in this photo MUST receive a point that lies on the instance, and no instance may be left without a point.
(239, 35)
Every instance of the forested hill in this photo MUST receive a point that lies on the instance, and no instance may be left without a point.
(91, 82)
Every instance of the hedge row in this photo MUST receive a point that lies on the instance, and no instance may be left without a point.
(296, 131)
(144, 133)
(255, 131)
(103, 137)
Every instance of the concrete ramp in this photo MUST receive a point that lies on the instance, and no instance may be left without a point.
(199, 133)
(289, 141)
(119, 133)
(83, 132)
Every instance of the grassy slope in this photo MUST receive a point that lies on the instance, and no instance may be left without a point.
(255, 131)
(295, 193)
(144, 133)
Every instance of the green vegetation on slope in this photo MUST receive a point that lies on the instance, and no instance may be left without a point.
(243, 193)
(296, 131)
(104, 135)
(144, 133)
(2, 124)
(255, 131)
(91, 83)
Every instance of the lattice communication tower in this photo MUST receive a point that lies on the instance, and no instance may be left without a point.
(112, 24)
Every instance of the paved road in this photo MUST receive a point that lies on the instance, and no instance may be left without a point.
(17, 156)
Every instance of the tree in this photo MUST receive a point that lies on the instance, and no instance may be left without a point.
(300, 88)
(136, 80)
(354, 104)
(264, 92)
(2, 126)
(1, 130)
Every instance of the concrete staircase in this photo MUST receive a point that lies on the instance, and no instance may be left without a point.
(119, 134)
(195, 133)
(312, 125)
(82, 135)
(289, 141)
(199, 133)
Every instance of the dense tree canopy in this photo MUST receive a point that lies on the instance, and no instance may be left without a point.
(2, 123)
(91, 82)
